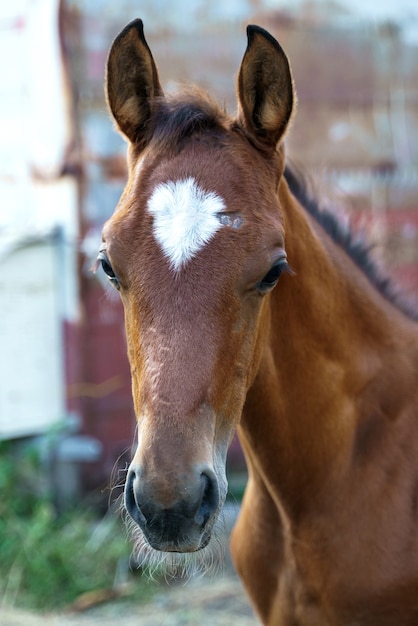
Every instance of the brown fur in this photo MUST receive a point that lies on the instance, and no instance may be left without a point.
(319, 375)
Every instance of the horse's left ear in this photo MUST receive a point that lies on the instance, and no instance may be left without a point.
(132, 83)
(266, 94)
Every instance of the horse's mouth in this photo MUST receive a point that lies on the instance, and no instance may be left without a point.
(184, 537)
(174, 558)
(179, 547)
(182, 525)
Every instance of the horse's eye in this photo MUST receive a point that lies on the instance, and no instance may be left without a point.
(271, 278)
(107, 268)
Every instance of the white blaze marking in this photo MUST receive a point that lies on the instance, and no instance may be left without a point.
(185, 218)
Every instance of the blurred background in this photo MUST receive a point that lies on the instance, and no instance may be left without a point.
(64, 377)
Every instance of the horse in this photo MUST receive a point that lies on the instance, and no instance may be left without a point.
(250, 308)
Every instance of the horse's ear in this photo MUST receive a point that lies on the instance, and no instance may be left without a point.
(132, 82)
(266, 94)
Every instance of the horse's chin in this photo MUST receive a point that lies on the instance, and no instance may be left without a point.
(207, 558)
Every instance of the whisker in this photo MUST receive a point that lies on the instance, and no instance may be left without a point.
(174, 565)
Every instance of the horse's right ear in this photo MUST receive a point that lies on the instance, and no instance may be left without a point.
(132, 83)
(266, 95)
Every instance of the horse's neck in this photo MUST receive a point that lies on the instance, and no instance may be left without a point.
(340, 363)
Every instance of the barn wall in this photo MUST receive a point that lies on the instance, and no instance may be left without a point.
(38, 220)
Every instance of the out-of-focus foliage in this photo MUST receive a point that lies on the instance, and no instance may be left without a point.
(47, 560)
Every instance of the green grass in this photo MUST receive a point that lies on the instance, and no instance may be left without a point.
(48, 560)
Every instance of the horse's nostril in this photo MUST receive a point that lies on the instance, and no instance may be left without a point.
(169, 523)
(209, 501)
(131, 504)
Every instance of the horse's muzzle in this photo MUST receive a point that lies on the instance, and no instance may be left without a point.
(182, 523)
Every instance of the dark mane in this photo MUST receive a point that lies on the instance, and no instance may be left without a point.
(179, 117)
(353, 243)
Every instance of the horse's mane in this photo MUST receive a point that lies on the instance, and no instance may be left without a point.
(183, 115)
(190, 112)
(354, 243)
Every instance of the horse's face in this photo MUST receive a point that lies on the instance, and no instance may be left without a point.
(195, 245)
(190, 255)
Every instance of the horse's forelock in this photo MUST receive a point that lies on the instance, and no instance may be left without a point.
(184, 114)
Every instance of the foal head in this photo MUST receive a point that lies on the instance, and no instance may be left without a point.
(194, 247)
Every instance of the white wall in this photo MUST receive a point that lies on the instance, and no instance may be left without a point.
(38, 277)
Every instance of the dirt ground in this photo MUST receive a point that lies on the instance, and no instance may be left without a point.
(207, 601)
